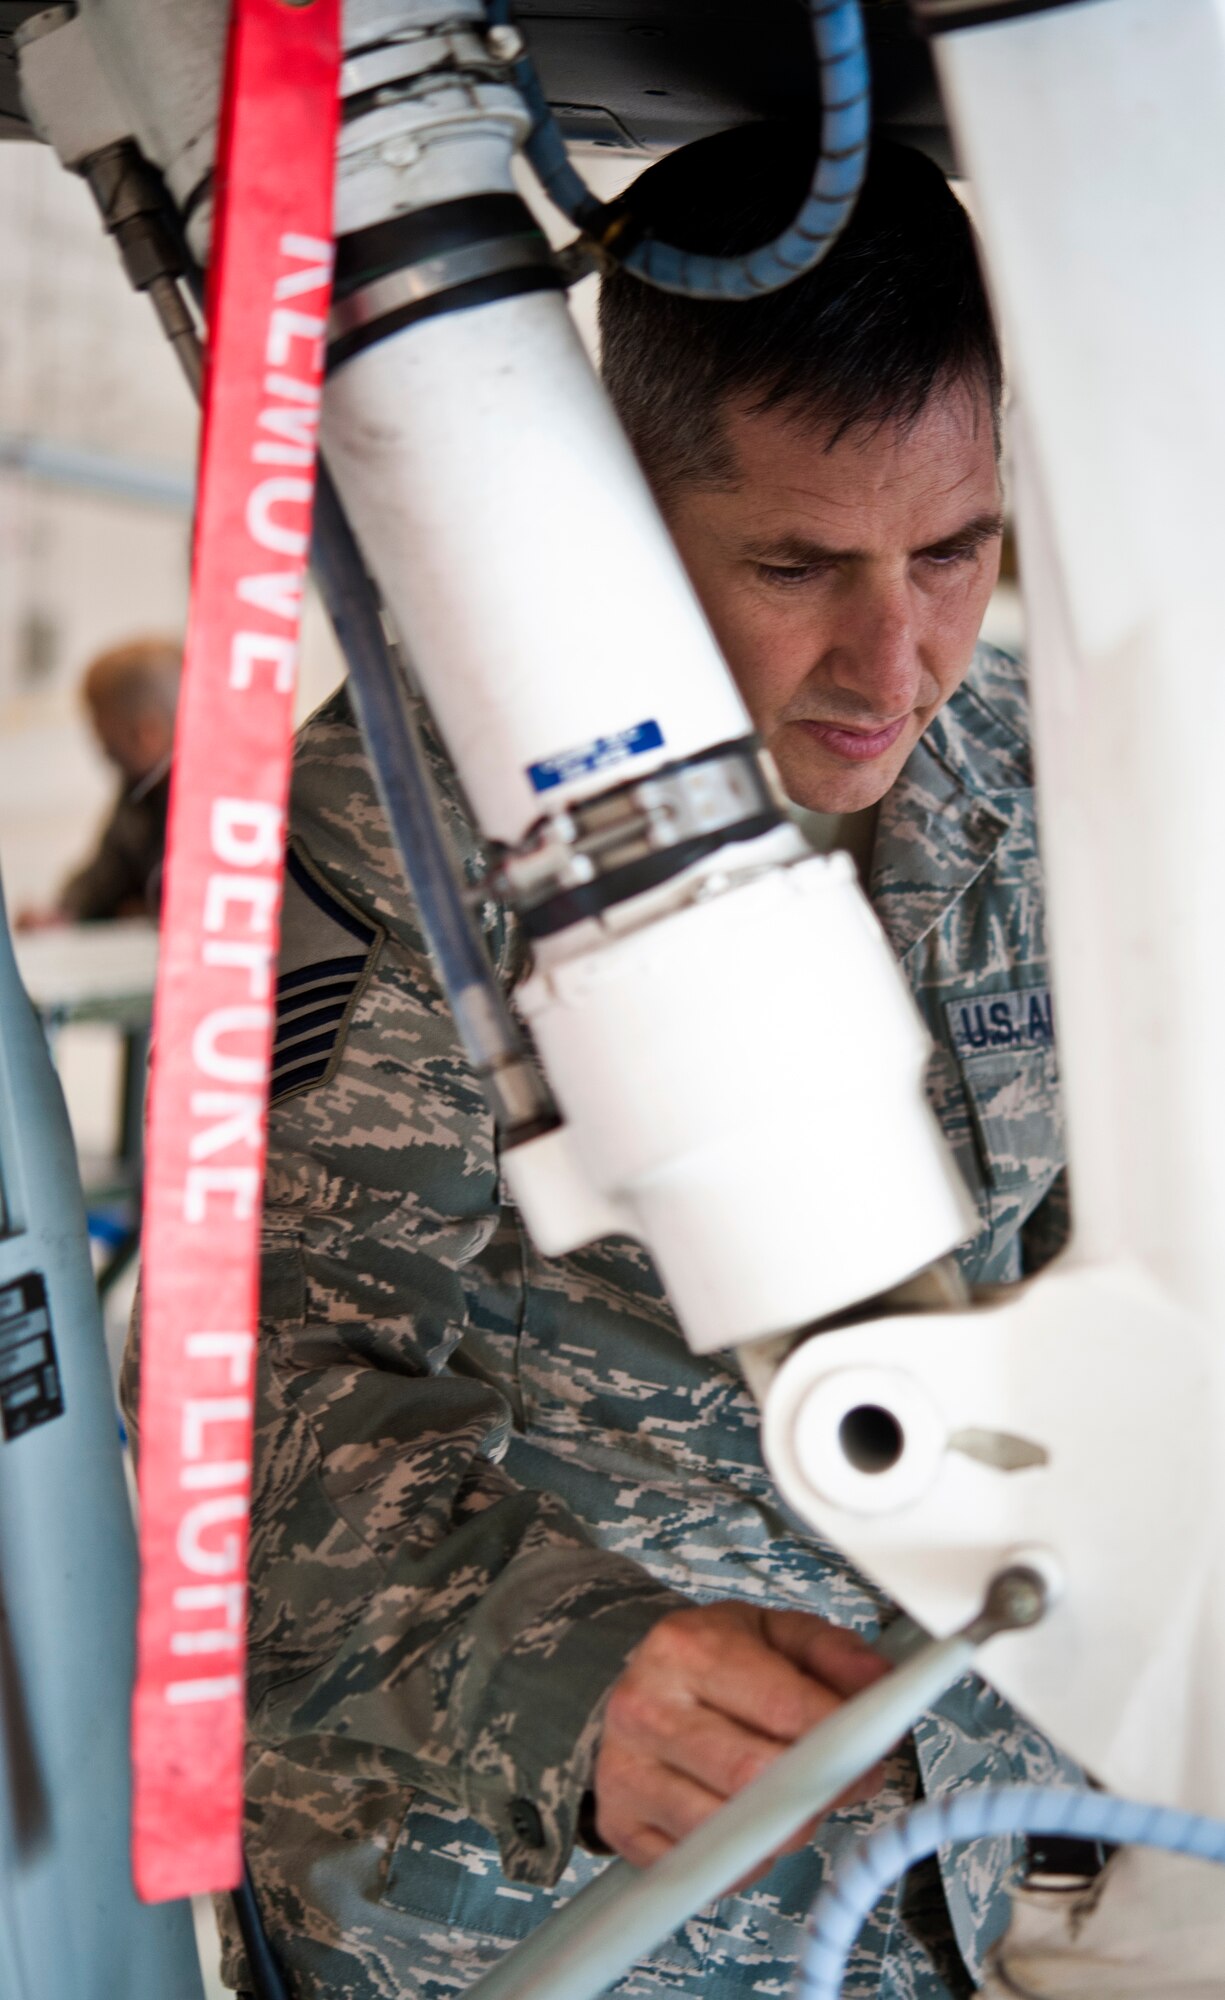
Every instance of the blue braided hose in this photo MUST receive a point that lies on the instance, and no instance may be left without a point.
(837, 28)
(848, 1898)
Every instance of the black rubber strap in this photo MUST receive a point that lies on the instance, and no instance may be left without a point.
(1053, 1854)
(480, 292)
(478, 220)
(426, 232)
(570, 906)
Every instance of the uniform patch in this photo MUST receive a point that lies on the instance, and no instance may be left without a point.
(313, 999)
(1022, 1019)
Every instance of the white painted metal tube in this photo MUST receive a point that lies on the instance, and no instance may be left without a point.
(578, 1954)
(1105, 248)
(517, 544)
(776, 1175)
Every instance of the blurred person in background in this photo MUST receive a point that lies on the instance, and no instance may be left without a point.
(130, 693)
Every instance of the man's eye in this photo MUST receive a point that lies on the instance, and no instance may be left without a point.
(950, 558)
(787, 575)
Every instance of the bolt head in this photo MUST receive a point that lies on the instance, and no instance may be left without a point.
(401, 151)
(504, 42)
(1017, 1598)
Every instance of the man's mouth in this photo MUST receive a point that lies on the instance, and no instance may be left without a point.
(858, 746)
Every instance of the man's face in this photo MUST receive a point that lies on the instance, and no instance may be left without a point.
(134, 743)
(847, 583)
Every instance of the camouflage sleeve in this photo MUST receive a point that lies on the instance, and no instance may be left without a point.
(1000, 684)
(414, 1611)
(110, 879)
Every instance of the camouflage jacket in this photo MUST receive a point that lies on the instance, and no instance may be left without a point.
(123, 876)
(482, 1475)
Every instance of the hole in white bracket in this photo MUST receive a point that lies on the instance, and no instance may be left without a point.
(869, 1440)
(871, 1437)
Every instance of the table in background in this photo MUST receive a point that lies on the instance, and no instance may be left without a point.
(104, 973)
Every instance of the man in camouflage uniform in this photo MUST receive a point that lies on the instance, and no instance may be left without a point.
(130, 693)
(488, 1483)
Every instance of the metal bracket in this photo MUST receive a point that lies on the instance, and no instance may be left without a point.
(598, 837)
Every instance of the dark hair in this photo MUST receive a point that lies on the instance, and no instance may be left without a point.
(896, 309)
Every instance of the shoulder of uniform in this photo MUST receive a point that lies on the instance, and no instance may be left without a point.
(337, 818)
(987, 724)
(345, 883)
(328, 948)
(334, 714)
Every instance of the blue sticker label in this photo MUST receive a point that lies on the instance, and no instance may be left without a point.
(597, 756)
(1022, 1019)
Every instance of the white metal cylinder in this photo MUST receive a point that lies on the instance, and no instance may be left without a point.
(743, 1079)
(558, 641)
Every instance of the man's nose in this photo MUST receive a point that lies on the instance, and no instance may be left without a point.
(875, 655)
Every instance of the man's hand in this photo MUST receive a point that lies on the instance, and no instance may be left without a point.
(706, 1702)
